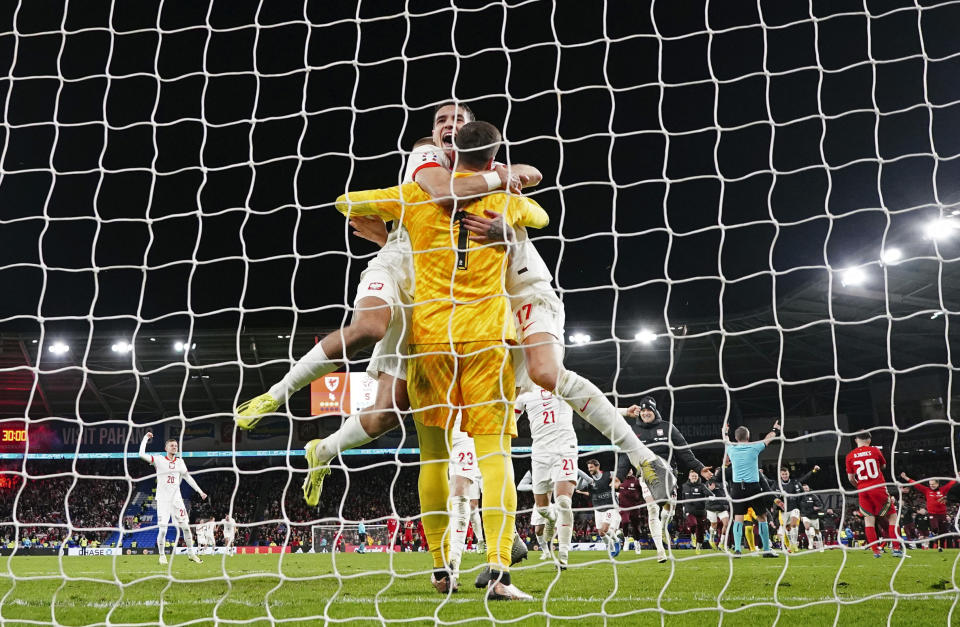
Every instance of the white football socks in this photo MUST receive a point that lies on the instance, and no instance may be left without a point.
(459, 515)
(349, 435)
(656, 526)
(477, 523)
(589, 402)
(311, 366)
(564, 523)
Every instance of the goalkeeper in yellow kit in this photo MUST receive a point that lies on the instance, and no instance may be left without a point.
(462, 326)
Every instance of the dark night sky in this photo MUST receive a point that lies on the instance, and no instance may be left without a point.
(195, 166)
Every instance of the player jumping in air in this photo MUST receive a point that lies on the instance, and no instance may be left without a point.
(538, 310)
(865, 466)
(170, 471)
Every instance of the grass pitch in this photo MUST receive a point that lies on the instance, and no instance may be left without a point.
(850, 588)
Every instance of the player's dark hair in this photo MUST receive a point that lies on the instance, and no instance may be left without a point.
(593, 462)
(477, 143)
(469, 115)
(784, 468)
(863, 436)
(742, 434)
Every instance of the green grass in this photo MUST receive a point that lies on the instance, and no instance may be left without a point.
(812, 589)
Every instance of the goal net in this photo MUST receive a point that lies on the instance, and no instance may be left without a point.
(754, 216)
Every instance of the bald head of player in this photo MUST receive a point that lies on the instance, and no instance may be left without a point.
(477, 144)
(448, 118)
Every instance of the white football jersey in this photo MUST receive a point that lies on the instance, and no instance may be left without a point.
(551, 420)
(527, 273)
(169, 475)
(229, 528)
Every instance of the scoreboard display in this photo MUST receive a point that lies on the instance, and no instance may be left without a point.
(8, 435)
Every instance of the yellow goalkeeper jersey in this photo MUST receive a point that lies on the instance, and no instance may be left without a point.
(459, 293)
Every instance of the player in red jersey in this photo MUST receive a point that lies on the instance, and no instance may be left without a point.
(865, 466)
(936, 496)
(408, 529)
(392, 525)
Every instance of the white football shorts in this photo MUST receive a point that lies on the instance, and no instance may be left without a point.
(540, 313)
(550, 468)
(608, 516)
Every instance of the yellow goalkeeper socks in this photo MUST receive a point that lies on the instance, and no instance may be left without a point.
(434, 488)
(751, 540)
(499, 497)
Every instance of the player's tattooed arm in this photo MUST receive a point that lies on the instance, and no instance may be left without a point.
(489, 228)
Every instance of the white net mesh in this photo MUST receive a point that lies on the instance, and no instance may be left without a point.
(754, 214)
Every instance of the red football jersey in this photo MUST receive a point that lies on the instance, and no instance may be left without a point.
(866, 463)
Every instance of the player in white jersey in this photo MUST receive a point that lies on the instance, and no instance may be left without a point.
(553, 465)
(205, 540)
(381, 308)
(464, 471)
(170, 471)
(229, 534)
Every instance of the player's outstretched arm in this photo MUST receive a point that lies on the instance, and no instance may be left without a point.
(143, 448)
(193, 484)
(629, 412)
(807, 476)
(773, 434)
(683, 450)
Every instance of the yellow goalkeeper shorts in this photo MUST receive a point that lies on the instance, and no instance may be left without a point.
(475, 376)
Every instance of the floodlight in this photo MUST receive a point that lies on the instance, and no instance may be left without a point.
(645, 336)
(891, 255)
(121, 347)
(939, 228)
(579, 338)
(853, 276)
(58, 348)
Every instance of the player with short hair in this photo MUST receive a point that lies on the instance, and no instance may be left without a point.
(745, 488)
(553, 467)
(206, 533)
(630, 498)
(603, 496)
(170, 471)
(811, 509)
(382, 304)
(865, 465)
(792, 490)
(458, 350)
(935, 494)
(830, 524)
(718, 512)
(229, 534)
(693, 495)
